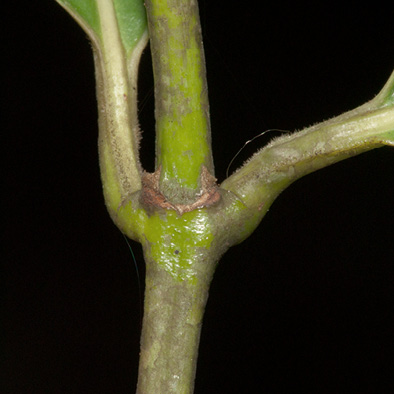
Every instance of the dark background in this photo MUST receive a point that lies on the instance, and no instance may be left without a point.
(304, 305)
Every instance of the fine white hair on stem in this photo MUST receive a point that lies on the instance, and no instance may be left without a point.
(248, 142)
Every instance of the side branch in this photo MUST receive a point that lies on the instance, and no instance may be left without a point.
(290, 157)
(116, 85)
(118, 31)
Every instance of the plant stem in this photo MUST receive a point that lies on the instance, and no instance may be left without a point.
(183, 142)
(172, 322)
(116, 86)
(183, 220)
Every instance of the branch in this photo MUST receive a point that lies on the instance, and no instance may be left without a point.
(183, 141)
(290, 157)
(117, 47)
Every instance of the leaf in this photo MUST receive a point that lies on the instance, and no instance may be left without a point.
(85, 12)
(132, 22)
(130, 15)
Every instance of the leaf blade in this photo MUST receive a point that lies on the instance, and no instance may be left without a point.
(132, 22)
(85, 12)
(130, 15)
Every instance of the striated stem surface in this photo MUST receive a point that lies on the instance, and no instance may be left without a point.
(183, 141)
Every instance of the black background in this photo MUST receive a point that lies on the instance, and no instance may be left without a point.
(304, 305)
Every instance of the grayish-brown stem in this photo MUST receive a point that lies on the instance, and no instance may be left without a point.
(172, 322)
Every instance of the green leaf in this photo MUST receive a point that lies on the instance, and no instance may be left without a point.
(386, 96)
(132, 22)
(85, 12)
(130, 15)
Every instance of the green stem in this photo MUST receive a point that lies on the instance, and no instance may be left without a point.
(183, 220)
(259, 181)
(117, 103)
(183, 143)
(291, 157)
(173, 316)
